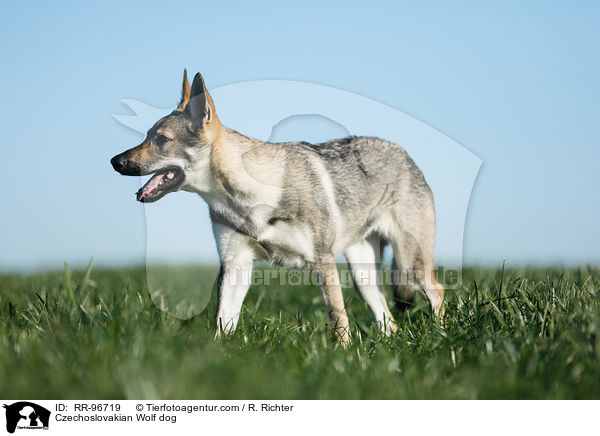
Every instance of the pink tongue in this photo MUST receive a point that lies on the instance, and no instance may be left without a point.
(150, 186)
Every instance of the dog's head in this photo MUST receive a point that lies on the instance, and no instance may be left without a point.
(177, 147)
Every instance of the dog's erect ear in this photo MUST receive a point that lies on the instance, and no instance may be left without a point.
(201, 106)
(185, 92)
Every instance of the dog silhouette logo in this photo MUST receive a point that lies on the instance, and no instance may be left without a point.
(26, 415)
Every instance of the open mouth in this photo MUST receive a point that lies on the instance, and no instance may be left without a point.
(161, 183)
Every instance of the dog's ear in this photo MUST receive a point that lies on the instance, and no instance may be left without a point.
(201, 106)
(185, 92)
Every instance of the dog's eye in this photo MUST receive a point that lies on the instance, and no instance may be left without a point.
(160, 140)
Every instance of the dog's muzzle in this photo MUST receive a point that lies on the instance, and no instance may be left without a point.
(123, 165)
(119, 163)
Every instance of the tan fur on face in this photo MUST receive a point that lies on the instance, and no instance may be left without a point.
(142, 154)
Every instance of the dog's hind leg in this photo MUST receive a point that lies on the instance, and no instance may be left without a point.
(364, 259)
(331, 290)
(406, 265)
(413, 259)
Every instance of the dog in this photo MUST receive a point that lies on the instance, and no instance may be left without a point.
(295, 204)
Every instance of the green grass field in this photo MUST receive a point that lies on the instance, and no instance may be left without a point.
(99, 336)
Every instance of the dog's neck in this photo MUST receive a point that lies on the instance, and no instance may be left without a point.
(241, 169)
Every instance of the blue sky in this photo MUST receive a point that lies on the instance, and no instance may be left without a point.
(514, 82)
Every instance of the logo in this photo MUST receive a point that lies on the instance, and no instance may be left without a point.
(26, 415)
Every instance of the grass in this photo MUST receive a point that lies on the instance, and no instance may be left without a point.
(98, 335)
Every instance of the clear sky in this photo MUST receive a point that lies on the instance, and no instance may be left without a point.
(514, 82)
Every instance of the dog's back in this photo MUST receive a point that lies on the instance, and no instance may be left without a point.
(349, 186)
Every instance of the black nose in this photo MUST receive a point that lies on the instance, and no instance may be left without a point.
(119, 162)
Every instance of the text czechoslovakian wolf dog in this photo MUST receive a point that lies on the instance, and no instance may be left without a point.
(295, 204)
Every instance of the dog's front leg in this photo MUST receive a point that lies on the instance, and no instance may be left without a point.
(232, 287)
(334, 299)
(237, 256)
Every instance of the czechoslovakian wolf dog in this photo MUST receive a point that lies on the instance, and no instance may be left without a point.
(295, 204)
